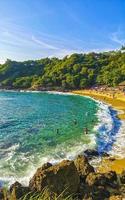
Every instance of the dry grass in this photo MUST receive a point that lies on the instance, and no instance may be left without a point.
(45, 195)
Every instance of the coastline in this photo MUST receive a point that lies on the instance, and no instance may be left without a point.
(116, 103)
(112, 163)
(74, 167)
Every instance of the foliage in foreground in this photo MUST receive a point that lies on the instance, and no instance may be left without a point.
(44, 195)
(71, 72)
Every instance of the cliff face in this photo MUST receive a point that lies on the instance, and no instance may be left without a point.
(75, 178)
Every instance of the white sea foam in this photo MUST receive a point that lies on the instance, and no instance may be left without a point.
(58, 154)
(118, 149)
(38, 91)
(105, 120)
(60, 93)
(109, 119)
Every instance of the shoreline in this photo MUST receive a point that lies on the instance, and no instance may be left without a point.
(115, 164)
(116, 103)
(112, 163)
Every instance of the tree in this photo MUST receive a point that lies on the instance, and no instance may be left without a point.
(71, 72)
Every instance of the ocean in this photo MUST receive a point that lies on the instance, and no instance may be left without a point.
(44, 127)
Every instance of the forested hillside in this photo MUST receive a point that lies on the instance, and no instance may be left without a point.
(72, 72)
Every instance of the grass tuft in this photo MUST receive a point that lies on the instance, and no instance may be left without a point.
(45, 195)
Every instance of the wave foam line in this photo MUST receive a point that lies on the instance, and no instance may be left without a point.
(118, 150)
(107, 129)
(60, 153)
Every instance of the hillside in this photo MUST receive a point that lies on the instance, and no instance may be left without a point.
(75, 71)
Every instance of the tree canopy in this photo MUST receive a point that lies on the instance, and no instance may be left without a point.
(72, 72)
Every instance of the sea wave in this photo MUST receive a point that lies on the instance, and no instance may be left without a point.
(110, 131)
(108, 127)
(38, 91)
(118, 149)
(59, 93)
(60, 153)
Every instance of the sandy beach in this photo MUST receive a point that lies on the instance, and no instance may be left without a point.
(117, 101)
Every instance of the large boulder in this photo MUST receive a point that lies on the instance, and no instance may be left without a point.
(57, 179)
(83, 167)
(18, 191)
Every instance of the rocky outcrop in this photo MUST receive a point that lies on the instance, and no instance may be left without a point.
(58, 178)
(83, 167)
(77, 178)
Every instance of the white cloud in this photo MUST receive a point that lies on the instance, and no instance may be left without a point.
(64, 52)
(118, 38)
(43, 44)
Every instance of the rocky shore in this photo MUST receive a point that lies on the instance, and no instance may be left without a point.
(75, 179)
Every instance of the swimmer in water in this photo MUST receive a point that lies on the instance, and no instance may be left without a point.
(86, 131)
(57, 131)
(75, 121)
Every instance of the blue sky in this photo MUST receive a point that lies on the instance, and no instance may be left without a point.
(32, 29)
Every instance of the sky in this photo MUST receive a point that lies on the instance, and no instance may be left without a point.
(33, 29)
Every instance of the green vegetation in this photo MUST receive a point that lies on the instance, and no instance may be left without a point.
(44, 196)
(72, 72)
(123, 47)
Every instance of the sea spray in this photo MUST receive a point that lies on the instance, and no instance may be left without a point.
(107, 128)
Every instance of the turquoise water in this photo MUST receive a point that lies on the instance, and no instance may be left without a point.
(40, 127)
(37, 127)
